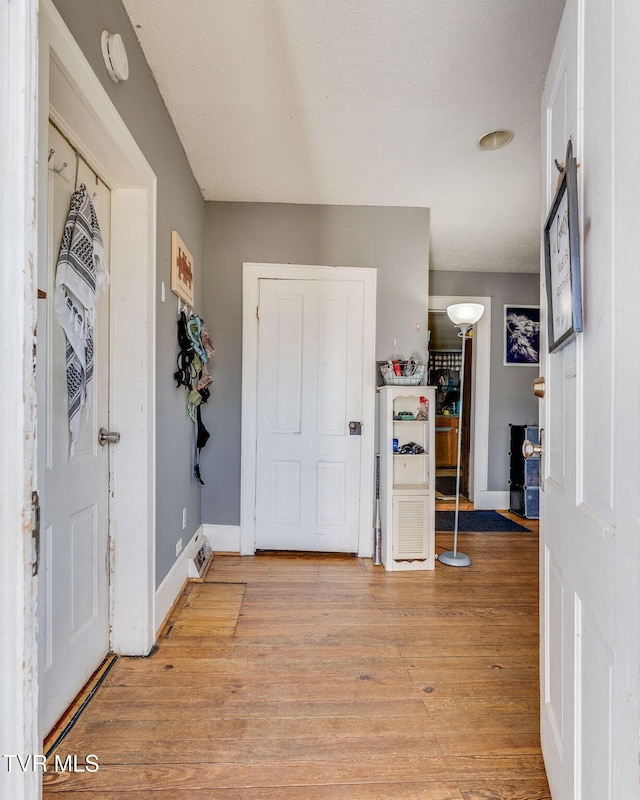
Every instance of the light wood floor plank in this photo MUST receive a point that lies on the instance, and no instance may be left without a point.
(311, 677)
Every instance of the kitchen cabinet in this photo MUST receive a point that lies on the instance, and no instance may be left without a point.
(446, 435)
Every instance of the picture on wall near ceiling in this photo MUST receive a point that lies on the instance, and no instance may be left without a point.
(181, 269)
(521, 336)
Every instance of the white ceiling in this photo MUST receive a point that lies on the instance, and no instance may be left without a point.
(365, 102)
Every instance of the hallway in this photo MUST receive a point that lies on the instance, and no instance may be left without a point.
(293, 677)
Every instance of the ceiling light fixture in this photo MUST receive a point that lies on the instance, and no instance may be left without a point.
(494, 140)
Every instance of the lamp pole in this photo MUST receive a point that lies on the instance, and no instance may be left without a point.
(464, 315)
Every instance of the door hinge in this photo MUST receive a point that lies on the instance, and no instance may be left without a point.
(257, 312)
(35, 531)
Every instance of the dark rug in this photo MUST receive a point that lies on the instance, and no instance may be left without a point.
(446, 484)
(477, 521)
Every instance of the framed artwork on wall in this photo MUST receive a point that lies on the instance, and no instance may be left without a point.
(181, 270)
(562, 257)
(521, 336)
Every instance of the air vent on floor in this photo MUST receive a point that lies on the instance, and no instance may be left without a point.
(199, 563)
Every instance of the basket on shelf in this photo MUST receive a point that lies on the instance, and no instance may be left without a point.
(411, 373)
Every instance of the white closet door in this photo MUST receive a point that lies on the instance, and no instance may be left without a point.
(74, 573)
(309, 390)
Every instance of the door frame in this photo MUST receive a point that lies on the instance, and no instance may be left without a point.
(479, 434)
(251, 276)
(70, 92)
(18, 247)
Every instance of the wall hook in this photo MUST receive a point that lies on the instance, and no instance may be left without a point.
(53, 169)
(182, 306)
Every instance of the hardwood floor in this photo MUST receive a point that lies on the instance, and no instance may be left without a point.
(292, 677)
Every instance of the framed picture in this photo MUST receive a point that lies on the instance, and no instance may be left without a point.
(562, 258)
(181, 270)
(521, 336)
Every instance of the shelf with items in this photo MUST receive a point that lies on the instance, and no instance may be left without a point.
(407, 475)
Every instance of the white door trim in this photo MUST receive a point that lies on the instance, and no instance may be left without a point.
(72, 94)
(479, 462)
(252, 273)
(18, 255)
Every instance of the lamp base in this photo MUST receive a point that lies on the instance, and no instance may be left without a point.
(454, 559)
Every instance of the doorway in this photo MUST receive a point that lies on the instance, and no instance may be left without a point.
(445, 344)
(445, 362)
(72, 96)
(321, 374)
(73, 610)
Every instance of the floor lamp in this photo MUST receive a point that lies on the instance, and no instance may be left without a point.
(465, 316)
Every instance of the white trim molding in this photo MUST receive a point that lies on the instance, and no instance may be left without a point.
(491, 500)
(223, 538)
(18, 256)
(252, 273)
(173, 583)
(70, 92)
(479, 460)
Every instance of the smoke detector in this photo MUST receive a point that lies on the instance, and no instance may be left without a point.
(115, 56)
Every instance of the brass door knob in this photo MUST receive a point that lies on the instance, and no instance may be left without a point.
(531, 450)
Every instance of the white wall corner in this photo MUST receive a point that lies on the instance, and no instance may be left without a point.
(223, 538)
(169, 590)
(490, 500)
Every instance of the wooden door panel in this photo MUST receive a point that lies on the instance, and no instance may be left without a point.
(74, 589)
(309, 388)
(578, 511)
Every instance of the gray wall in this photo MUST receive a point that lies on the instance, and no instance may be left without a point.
(180, 207)
(395, 240)
(511, 398)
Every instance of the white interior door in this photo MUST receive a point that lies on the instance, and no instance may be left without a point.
(310, 355)
(74, 584)
(589, 578)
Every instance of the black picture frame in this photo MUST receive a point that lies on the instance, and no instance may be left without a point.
(562, 259)
(521, 345)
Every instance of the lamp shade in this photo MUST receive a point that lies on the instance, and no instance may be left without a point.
(466, 314)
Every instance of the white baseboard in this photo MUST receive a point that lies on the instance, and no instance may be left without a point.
(168, 591)
(223, 538)
(490, 500)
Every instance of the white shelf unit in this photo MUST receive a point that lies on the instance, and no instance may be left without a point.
(407, 482)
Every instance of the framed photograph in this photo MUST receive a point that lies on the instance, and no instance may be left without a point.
(181, 270)
(562, 258)
(521, 336)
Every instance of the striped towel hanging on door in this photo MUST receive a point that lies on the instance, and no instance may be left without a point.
(81, 272)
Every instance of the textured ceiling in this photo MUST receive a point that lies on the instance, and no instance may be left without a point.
(364, 102)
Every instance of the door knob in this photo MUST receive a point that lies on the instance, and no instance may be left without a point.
(108, 437)
(531, 450)
(539, 386)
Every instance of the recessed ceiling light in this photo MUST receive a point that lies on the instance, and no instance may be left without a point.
(494, 140)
